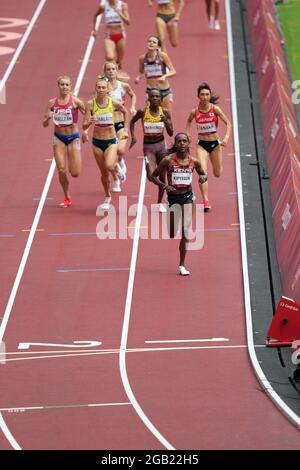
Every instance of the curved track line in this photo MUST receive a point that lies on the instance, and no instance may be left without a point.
(8, 434)
(266, 385)
(39, 210)
(123, 346)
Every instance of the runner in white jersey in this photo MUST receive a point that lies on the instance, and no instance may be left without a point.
(116, 14)
(118, 91)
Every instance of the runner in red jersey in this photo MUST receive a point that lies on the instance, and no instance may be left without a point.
(66, 140)
(179, 167)
(207, 115)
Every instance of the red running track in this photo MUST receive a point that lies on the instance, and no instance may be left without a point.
(74, 287)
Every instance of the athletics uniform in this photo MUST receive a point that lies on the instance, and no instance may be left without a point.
(179, 176)
(65, 115)
(153, 126)
(156, 69)
(112, 18)
(119, 94)
(104, 117)
(207, 123)
(168, 14)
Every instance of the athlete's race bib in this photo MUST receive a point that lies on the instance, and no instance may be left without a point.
(153, 128)
(105, 119)
(181, 178)
(63, 117)
(112, 17)
(153, 70)
(205, 128)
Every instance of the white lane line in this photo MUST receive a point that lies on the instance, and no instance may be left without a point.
(63, 351)
(18, 409)
(21, 45)
(8, 434)
(76, 344)
(257, 368)
(54, 354)
(125, 328)
(186, 340)
(33, 229)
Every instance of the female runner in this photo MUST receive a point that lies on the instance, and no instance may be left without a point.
(154, 65)
(116, 13)
(167, 19)
(66, 141)
(118, 91)
(100, 112)
(207, 115)
(155, 120)
(213, 11)
(179, 166)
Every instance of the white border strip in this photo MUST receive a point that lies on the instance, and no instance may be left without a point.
(266, 385)
(125, 328)
(33, 229)
(21, 45)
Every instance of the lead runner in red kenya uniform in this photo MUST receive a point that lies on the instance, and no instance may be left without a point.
(207, 115)
(179, 167)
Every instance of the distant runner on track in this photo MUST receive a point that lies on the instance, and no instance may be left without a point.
(179, 166)
(66, 140)
(167, 19)
(157, 68)
(116, 13)
(207, 115)
(213, 11)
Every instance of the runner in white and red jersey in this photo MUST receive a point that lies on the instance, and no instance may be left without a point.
(179, 166)
(66, 140)
(116, 14)
(207, 115)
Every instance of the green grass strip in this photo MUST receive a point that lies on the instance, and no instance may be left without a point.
(289, 16)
